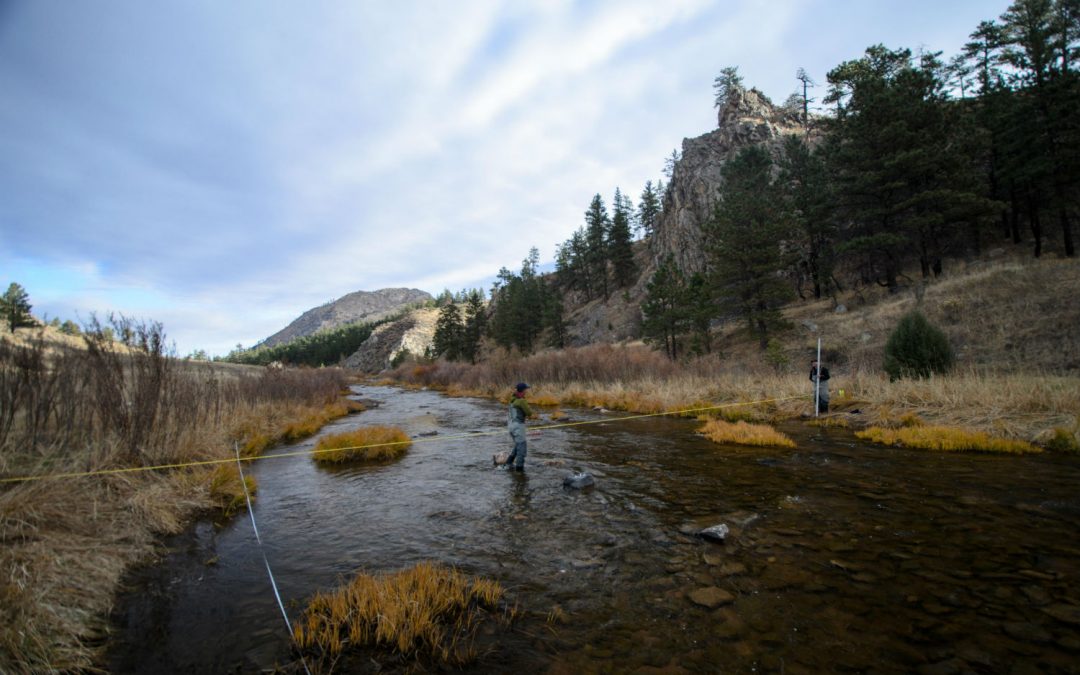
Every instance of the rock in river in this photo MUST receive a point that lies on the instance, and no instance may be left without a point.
(715, 533)
(711, 597)
(579, 481)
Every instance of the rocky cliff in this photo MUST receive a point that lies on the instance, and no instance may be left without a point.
(748, 118)
(351, 308)
(413, 332)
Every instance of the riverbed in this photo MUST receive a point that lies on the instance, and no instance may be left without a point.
(842, 556)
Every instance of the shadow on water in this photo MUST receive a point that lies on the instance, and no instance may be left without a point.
(841, 557)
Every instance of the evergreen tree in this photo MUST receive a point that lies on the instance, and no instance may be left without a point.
(648, 209)
(1040, 43)
(475, 323)
(620, 243)
(916, 348)
(664, 308)
(518, 306)
(449, 338)
(597, 226)
(725, 84)
(743, 242)
(805, 190)
(905, 189)
(700, 312)
(555, 321)
(15, 307)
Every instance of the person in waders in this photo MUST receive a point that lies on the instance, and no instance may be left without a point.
(821, 385)
(518, 412)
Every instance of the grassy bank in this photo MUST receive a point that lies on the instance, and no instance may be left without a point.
(634, 378)
(67, 542)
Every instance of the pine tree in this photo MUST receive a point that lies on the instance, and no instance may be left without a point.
(743, 242)
(449, 333)
(597, 225)
(475, 323)
(15, 307)
(648, 209)
(725, 84)
(804, 188)
(620, 243)
(664, 308)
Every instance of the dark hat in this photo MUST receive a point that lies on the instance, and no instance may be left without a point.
(521, 386)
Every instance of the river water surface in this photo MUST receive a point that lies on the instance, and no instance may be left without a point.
(842, 557)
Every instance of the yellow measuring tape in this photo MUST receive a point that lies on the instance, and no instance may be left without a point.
(299, 453)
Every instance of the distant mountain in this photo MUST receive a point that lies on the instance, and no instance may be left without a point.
(351, 308)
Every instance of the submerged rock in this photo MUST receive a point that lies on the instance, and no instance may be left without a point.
(579, 481)
(711, 597)
(715, 533)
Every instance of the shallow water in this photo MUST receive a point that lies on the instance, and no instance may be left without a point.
(842, 556)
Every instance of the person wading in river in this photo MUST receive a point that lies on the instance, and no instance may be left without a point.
(519, 410)
(821, 385)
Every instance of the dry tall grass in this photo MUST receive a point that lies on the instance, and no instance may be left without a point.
(368, 444)
(64, 544)
(428, 612)
(946, 439)
(742, 433)
(637, 379)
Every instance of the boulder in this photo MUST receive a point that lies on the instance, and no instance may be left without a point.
(715, 533)
(579, 481)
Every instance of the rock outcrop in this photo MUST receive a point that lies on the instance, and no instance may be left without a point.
(414, 333)
(351, 308)
(748, 118)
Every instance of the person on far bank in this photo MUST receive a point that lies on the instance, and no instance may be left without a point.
(821, 384)
(519, 411)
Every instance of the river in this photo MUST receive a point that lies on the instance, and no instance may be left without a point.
(842, 556)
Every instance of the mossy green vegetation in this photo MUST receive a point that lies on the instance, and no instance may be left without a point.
(429, 612)
(945, 439)
(378, 443)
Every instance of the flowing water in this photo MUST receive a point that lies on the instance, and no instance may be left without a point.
(842, 556)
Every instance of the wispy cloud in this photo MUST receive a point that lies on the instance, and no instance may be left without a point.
(224, 167)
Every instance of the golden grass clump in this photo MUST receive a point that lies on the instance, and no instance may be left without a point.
(429, 611)
(226, 489)
(742, 433)
(378, 443)
(946, 439)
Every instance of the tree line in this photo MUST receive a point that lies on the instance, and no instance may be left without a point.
(917, 161)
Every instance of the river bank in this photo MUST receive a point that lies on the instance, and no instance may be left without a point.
(635, 379)
(67, 541)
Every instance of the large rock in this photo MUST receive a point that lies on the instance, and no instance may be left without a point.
(748, 118)
(365, 306)
(579, 481)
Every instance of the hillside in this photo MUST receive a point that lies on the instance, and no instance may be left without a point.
(367, 306)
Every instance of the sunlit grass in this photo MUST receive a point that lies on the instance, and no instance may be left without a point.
(226, 489)
(374, 444)
(429, 611)
(743, 433)
(946, 439)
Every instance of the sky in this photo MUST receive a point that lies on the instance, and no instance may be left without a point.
(222, 167)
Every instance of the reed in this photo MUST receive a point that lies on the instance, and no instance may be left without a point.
(66, 542)
(428, 612)
(369, 444)
(742, 433)
(946, 439)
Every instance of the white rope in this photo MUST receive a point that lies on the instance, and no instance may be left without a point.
(269, 572)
